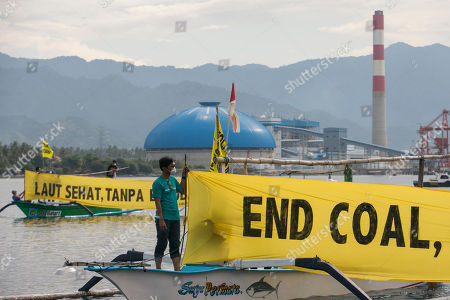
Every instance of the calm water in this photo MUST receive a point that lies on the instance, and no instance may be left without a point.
(32, 250)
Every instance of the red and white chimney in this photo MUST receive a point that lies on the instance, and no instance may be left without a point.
(379, 135)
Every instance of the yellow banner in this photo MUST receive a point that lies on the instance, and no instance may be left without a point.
(368, 231)
(218, 148)
(102, 192)
(46, 150)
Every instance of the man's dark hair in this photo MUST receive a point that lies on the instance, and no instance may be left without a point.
(165, 161)
(114, 161)
(38, 168)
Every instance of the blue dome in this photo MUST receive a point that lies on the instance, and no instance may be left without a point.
(194, 129)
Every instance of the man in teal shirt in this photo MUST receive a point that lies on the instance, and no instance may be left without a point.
(164, 191)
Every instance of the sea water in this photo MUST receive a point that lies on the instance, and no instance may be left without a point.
(33, 251)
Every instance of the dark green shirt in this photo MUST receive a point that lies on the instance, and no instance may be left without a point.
(168, 196)
(348, 174)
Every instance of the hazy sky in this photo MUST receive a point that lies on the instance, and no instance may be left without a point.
(270, 32)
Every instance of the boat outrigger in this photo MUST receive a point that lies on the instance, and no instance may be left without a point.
(238, 279)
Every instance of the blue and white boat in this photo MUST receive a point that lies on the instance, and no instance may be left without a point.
(240, 279)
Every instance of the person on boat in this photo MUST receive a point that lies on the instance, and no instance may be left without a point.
(16, 197)
(38, 170)
(164, 191)
(348, 174)
(112, 170)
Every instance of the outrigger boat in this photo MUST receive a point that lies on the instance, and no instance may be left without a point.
(237, 279)
(321, 228)
(33, 209)
(46, 197)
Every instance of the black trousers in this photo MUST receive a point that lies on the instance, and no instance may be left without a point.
(171, 235)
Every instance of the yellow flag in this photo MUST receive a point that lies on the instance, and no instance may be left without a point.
(218, 148)
(368, 231)
(46, 150)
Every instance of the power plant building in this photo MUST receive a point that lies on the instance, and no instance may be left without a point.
(191, 132)
(292, 137)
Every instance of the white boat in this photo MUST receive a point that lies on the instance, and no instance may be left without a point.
(247, 279)
(439, 180)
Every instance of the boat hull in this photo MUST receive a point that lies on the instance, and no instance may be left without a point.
(206, 282)
(433, 184)
(40, 210)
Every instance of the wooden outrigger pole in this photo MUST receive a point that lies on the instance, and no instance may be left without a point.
(84, 295)
(273, 161)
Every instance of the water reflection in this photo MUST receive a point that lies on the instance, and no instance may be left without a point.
(39, 247)
(418, 292)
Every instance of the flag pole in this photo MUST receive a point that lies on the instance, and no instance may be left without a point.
(42, 155)
(228, 123)
(228, 129)
(226, 147)
(217, 134)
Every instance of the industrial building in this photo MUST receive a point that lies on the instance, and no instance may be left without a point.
(290, 141)
(302, 139)
(191, 132)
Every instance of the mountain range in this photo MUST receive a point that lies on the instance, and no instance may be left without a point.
(106, 101)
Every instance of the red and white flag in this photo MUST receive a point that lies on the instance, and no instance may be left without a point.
(232, 115)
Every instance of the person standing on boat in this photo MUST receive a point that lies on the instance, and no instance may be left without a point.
(112, 170)
(164, 191)
(348, 174)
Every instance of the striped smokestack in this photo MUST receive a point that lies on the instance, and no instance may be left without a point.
(379, 93)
